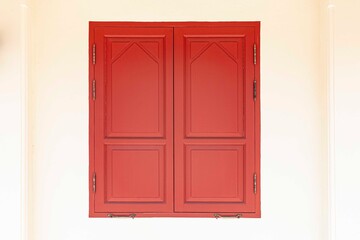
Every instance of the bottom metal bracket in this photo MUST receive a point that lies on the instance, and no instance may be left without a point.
(217, 215)
(133, 215)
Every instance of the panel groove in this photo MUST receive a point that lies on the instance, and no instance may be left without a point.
(148, 53)
(114, 59)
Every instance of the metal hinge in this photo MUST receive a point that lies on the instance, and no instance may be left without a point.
(94, 54)
(255, 90)
(93, 89)
(254, 54)
(255, 183)
(94, 182)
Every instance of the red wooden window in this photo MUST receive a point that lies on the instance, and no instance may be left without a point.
(174, 119)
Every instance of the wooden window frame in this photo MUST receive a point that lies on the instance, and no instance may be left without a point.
(92, 26)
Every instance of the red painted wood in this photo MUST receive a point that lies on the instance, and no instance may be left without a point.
(91, 123)
(133, 120)
(214, 119)
(254, 25)
(182, 215)
(135, 65)
(217, 127)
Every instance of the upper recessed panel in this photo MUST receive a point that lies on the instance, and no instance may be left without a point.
(135, 87)
(214, 87)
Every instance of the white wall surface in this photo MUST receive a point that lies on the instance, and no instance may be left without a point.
(293, 170)
(11, 109)
(347, 118)
(293, 167)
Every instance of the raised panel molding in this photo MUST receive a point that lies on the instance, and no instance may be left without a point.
(214, 75)
(135, 87)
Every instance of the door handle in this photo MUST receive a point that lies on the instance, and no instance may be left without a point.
(217, 215)
(133, 215)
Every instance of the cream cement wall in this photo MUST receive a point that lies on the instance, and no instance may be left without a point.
(293, 166)
(11, 115)
(347, 118)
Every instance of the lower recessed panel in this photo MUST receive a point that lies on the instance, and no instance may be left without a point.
(135, 174)
(134, 178)
(214, 174)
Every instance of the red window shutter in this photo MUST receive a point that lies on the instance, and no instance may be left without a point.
(134, 120)
(214, 115)
(174, 119)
